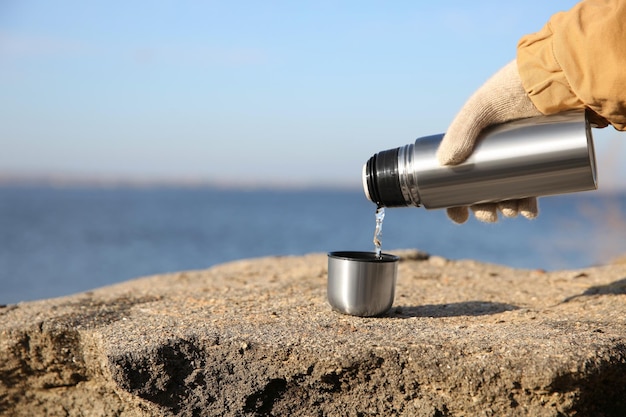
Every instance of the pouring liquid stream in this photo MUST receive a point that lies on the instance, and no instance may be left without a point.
(380, 215)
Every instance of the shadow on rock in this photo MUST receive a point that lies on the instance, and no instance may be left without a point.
(601, 389)
(613, 288)
(467, 308)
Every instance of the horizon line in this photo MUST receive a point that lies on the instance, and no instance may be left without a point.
(111, 181)
(130, 181)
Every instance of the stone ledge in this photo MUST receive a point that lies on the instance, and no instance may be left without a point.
(257, 337)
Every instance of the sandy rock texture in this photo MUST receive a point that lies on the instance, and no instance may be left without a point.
(257, 337)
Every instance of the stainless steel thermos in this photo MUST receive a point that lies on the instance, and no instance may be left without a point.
(537, 156)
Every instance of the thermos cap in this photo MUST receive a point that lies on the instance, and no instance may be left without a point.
(361, 283)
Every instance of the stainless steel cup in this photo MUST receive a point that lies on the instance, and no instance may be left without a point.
(360, 283)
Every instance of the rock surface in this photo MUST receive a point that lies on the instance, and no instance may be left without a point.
(257, 337)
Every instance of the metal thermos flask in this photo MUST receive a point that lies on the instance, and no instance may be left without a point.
(530, 157)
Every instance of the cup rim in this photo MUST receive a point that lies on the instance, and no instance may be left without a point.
(362, 256)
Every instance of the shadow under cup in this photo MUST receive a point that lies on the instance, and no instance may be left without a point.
(360, 283)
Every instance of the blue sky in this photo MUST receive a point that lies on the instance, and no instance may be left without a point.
(242, 92)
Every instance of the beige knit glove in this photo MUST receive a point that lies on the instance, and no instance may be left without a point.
(502, 98)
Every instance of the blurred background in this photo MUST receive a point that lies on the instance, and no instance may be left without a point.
(126, 126)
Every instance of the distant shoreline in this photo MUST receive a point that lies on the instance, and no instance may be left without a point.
(76, 181)
(69, 181)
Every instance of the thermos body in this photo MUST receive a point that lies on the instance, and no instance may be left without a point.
(537, 156)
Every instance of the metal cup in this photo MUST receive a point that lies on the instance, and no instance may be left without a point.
(360, 283)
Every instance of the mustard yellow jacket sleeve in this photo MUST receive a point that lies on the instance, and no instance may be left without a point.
(578, 60)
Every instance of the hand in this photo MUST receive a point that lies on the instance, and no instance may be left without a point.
(502, 98)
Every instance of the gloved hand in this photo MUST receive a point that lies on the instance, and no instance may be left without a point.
(502, 98)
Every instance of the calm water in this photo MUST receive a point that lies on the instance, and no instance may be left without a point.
(61, 241)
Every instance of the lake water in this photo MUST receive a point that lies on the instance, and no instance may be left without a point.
(59, 241)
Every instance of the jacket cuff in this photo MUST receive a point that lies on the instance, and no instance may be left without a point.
(542, 76)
